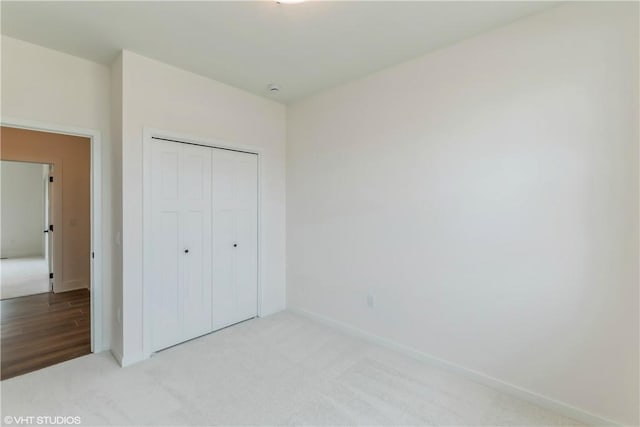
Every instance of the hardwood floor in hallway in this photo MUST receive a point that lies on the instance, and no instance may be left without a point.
(41, 330)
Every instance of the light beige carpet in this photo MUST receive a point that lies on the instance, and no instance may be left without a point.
(280, 370)
(23, 276)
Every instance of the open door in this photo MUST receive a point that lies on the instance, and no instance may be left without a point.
(48, 225)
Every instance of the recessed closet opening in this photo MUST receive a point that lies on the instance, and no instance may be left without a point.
(201, 239)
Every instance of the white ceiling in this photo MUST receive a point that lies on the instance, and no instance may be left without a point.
(304, 48)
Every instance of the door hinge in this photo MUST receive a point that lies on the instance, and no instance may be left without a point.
(50, 179)
(51, 227)
(50, 275)
(93, 254)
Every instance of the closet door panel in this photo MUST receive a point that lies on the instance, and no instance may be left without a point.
(195, 197)
(246, 230)
(224, 293)
(167, 158)
(235, 237)
(164, 277)
(166, 296)
(180, 250)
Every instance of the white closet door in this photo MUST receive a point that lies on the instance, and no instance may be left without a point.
(235, 237)
(180, 274)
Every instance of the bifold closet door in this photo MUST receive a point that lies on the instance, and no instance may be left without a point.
(235, 237)
(180, 244)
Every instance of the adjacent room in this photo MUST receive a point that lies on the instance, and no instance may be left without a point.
(45, 267)
(323, 213)
(24, 254)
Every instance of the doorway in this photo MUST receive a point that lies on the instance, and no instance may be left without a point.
(46, 299)
(25, 247)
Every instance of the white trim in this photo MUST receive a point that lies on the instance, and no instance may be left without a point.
(97, 300)
(476, 376)
(117, 356)
(147, 134)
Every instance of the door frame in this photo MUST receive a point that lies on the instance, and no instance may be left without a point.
(148, 133)
(49, 218)
(95, 139)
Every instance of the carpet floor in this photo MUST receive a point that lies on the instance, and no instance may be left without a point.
(280, 370)
(23, 276)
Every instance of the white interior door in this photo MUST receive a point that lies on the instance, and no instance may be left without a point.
(235, 237)
(48, 220)
(180, 243)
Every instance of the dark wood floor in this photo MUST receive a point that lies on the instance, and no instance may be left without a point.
(41, 330)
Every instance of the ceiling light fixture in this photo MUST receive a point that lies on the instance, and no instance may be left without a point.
(289, 1)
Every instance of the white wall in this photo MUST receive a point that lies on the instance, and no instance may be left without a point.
(22, 217)
(486, 195)
(160, 96)
(47, 86)
(117, 110)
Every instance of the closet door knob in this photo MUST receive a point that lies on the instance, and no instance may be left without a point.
(235, 245)
(186, 251)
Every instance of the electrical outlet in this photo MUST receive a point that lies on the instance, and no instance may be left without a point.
(370, 301)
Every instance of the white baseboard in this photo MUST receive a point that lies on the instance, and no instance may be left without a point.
(130, 360)
(125, 361)
(514, 390)
(116, 356)
(74, 285)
